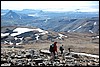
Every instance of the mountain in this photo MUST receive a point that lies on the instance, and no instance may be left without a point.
(84, 25)
(12, 18)
(90, 25)
(12, 15)
(82, 22)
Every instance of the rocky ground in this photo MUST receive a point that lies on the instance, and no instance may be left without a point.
(29, 54)
(19, 56)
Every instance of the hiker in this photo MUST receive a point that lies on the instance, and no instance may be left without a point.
(61, 49)
(69, 50)
(53, 50)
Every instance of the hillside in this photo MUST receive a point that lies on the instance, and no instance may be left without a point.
(29, 46)
(36, 36)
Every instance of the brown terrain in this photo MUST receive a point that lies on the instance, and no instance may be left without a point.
(77, 42)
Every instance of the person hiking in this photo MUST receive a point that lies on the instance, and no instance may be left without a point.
(53, 50)
(61, 49)
(69, 50)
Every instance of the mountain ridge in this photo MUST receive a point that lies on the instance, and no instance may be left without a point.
(61, 24)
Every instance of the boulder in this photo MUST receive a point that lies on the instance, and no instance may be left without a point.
(6, 64)
(75, 55)
(38, 60)
(45, 51)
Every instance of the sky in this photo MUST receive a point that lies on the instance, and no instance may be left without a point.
(83, 6)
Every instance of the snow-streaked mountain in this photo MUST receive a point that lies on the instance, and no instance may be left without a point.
(90, 25)
(21, 35)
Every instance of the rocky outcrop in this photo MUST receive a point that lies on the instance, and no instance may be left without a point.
(31, 57)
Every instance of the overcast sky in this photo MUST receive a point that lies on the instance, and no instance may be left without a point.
(84, 6)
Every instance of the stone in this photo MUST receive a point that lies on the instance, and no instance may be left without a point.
(75, 55)
(38, 60)
(45, 51)
(25, 58)
(6, 64)
(41, 64)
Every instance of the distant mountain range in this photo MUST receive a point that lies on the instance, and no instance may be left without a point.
(60, 22)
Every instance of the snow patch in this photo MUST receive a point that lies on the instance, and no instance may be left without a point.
(38, 29)
(95, 23)
(33, 15)
(20, 31)
(77, 28)
(74, 30)
(21, 38)
(42, 31)
(66, 36)
(90, 31)
(19, 43)
(15, 38)
(23, 30)
(61, 35)
(46, 19)
(68, 30)
(10, 43)
(18, 38)
(4, 34)
(96, 56)
(11, 16)
(5, 42)
(85, 24)
(97, 36)
(37, 36)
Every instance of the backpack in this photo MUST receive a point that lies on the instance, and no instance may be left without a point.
(51, 48)
(61, 48)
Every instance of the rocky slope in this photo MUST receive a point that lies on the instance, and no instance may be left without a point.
(31, 57)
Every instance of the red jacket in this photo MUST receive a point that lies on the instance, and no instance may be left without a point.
(55, 47)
